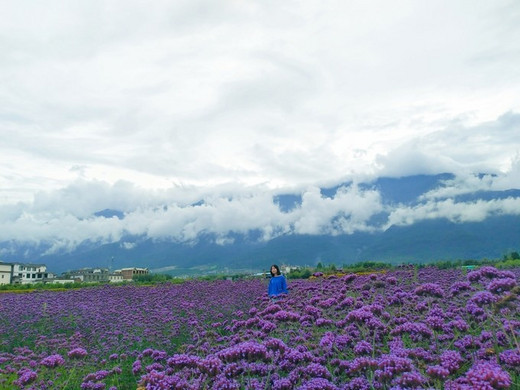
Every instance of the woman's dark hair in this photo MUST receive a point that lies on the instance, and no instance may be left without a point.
(277, 270)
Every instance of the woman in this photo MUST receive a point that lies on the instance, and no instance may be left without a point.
(277, 284)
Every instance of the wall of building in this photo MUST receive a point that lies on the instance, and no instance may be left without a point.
(6, 272)
(29, 273)
(129, 273)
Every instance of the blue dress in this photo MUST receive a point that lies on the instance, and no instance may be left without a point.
(277, 286)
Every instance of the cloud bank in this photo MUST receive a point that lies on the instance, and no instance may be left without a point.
(191, 117)
(64, 219)
(256, 93)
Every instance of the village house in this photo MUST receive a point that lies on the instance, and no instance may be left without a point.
(24, 273)
(285, 269)
(30, 273)
(129, 273)
(88, 275)
(115, 277)
(6, 273)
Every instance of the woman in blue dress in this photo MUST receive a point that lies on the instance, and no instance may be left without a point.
(277, 284)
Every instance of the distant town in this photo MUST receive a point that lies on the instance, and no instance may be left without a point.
(26, 273)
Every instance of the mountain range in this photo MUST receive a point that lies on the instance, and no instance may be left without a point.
(428, 239)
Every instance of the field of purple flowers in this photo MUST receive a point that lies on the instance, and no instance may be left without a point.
(404, 329)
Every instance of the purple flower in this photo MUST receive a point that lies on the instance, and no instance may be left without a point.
(249, 350)
(417, 330)
(221, 382)
(363, 348)
(432, 289)
(317, 370)
(359, 315)
(438, 372)
(318, 384)
(511, 358)
(312, 310)
(282, 384)
(459, 324)
(391, 365)
(489, 272)
(136, 367)
(482, 298)
(358, 383)
(436, 322)
(25, 377)
(77, 353)
(484, 375)
(459, 287)
(343, 340)
(283, 315)
(348, 278)
(211, 365)
(410, 380)
(154, 366)
(328, 302)
(474, 276)
(52, 361)
(96, 376)
(498, 286)
(327, 340)
(451, 360)
(182, 360)
(361, 364)
(276, 345)
(266, 326)
(324, 322)
(93, 385)
(348, 301)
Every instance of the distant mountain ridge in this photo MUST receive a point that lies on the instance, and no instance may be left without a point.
(423, 241)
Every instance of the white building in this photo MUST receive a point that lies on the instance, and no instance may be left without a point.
(129, 273)
(88, 274)
(115, 277)
(285, 269)
(6, 273)
(29, 273)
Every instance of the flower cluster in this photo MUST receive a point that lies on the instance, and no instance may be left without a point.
(409, 328)
(432, 289)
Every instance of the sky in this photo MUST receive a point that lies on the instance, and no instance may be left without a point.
(134, 105)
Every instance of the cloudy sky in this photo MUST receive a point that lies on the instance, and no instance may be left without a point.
(134, 104)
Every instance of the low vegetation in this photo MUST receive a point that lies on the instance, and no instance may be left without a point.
(406, 327)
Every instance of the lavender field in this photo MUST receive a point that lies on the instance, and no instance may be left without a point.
(407, 328)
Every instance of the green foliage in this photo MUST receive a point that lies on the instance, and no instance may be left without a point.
(42, 286)
(151, 278)
(363, 266)
(510, 260)
(509, 263)
(301, 273)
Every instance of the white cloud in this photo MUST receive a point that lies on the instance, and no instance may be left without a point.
(257, 92)
(458, 212)
(61, 220)
(72, 220)
(132, 106)
(348, 211)
(466, 184)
